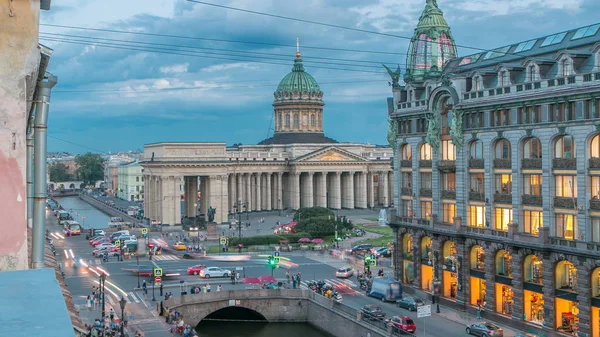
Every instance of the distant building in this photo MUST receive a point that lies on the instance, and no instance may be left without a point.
(130, 182)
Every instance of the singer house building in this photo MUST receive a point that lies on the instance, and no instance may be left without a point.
(497, 176)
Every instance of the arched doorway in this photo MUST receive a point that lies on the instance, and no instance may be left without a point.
(243, 319)
(595, 312)
(408, 266)
(533, 297)
(566, 305)
(504, 292)
(451, 267)
(477, 283)
(426, 250)
(72, 186)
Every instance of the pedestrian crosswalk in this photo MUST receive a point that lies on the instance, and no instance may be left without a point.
(166, 257)
(135, 297)
(343, 286)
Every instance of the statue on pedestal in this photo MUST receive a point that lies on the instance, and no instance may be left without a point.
(433, 130)
(211, 213)
(456, 129)
(394, 75)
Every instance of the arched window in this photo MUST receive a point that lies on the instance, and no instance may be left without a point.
(280, 119)
(476, 149)
(532, 74)
(503, 263)
(566, 66)
(503, 78)
(565, 276)
(296, 120)
(477, 83)
(313, 120)
(477, 258)
(532, 148)
(564, 148)
(446, 115)
(502, 149)
(448, 150)
(533, 269)
(595, 147)
(406, 152)
(425, 153)
(287, 120)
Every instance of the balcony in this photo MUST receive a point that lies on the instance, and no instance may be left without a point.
(564, 164)
(562, 202)
(406, 191)
(503, 198)
(476, 196)
(594, 163)
(425, 163)
(531, 163)
(448, 194)
(446, 165)
(502, 164)
(406, 163)
(476, 163)
(425, 192)
(563, 242)
(595, 204)
(532, 200)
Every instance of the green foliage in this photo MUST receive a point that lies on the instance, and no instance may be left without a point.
(59, 172)
(313, 212)
(90, 168)
(317, 227)
(267, 239)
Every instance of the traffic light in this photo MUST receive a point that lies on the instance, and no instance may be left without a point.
(272, 261)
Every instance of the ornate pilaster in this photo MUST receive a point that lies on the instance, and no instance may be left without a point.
(336, 193)
(370, 190)
(240, 190)
(248, 189)
(295, 190)
(268, 190)
(259, 192)
(279, 194)
(350, 190)
(321, 194)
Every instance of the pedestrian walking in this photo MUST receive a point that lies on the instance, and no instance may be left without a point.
(479, 310)
(161, 289)
(88, 302)
(111, 314)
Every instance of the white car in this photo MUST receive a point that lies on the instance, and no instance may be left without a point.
(344, 272)
(104, 245)
(214, 272)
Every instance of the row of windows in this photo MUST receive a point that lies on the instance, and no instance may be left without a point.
(285, 120)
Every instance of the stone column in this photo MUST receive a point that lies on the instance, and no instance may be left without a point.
(384, 189)
(279, 194)
(295, 190)
(176, 186)
(310, 190)
(160, 199)
(370, 190)
(240, 189)
(219, 197)
(248, 190)
(147, 197)
(350, 190)
(362, 191)
(336, 190)
(258, 203)
(169, 198)
(321, 190)
(205, 198)
(232, 183)
(268, 196)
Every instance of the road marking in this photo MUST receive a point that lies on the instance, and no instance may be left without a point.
(135, 299)
(167, 257)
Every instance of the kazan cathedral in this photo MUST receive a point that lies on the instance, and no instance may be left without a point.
(497, 169)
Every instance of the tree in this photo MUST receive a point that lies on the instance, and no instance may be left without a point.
(317, 226)
(90, 168)
(59, 172)
(313, 212)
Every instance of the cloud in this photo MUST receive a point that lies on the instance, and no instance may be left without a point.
(508, 7)
(175, 68)
(221, 67)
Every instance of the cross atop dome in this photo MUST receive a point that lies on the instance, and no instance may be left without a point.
(298, 47)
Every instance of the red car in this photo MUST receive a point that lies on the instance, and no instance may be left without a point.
(96, 238)
(99, 241)
(195, 270)
(404, 323)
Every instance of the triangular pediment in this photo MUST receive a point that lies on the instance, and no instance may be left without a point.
(330, 154)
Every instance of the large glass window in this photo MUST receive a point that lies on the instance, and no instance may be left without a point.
(503, 183)
(406, 152)
(476, 216)
(502, 149)
(564, 148)
(595, 147)
(503, 216)
(426, 210)
(449, 181)
(595, 226)
(476, 150)
(532, 221)
(407, 180)
(449, 212)
(532, 184)
(595, 187)
(532, 149)
(477, 182)
(565, 226)
(425, 152)
(565, 186)
(426, 180)
(448, 150)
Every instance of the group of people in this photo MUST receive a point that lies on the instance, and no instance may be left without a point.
(177, 324)
(109, 327)
(296, 279)
(205, 289)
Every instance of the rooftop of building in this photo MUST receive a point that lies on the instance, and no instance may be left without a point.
(298, 138)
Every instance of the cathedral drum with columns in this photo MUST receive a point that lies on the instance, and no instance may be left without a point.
(497, 200)
(297, 167)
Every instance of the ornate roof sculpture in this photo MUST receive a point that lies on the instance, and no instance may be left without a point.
(298, 108)
(431, 47)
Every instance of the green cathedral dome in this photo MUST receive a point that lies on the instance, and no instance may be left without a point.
(298, 81)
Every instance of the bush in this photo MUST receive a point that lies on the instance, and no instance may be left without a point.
(267, 239)
(318, 227)
(313, 212)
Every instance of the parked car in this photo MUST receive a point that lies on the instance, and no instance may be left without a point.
(195, 270)
(361, 248)
(409, 303)
(383, 251)
(344, 272)
(214, 272)
(371, 311)
(404, 324)
(112, 251)
(485, 329)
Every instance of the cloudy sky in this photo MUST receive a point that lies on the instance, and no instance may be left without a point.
(202, 73)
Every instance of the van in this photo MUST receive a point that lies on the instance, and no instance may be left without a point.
(119, 233)
(386, 289)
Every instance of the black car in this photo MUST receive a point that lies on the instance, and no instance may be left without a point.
(409, 303)
(371, 311)
(361, 248)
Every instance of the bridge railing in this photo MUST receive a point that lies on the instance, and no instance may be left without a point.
(238, 295)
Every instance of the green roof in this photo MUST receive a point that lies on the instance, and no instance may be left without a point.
(298, 80)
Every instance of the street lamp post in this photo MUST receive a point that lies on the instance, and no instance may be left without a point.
(101, 287)
(122, 303)
(137, 259)
(279, 206)
(153, 297)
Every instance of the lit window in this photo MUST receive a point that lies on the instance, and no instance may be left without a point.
(449, 181)
(476, 150)
(553, 39)
(476, 216)
(565, 186)
(425, 153)
(595, 230)
(477, 182)
(532, 184)
(406, 152)
(595, 187)
(595, 147)
(504, 183)
(449, 212)
(564, 148)
(566, 66)
(503, 216)
(426, 210)
(532, 221)
(565, 226)
(448, 150)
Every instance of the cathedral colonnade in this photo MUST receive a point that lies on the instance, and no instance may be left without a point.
(169, 198)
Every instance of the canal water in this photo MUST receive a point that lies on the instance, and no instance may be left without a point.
(80, 209)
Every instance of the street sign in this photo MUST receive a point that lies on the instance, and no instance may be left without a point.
(276, 254)
(424, 311)
(117, 243)
(223, 241)
(373, 257)
(144, 231)
(83, 217)
(157, 280)
(158, 272)
(276, 260)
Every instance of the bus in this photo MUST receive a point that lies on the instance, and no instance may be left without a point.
(386, 289)
(72, 228)
(63, 216)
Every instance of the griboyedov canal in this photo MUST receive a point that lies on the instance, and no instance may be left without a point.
(217, 328)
